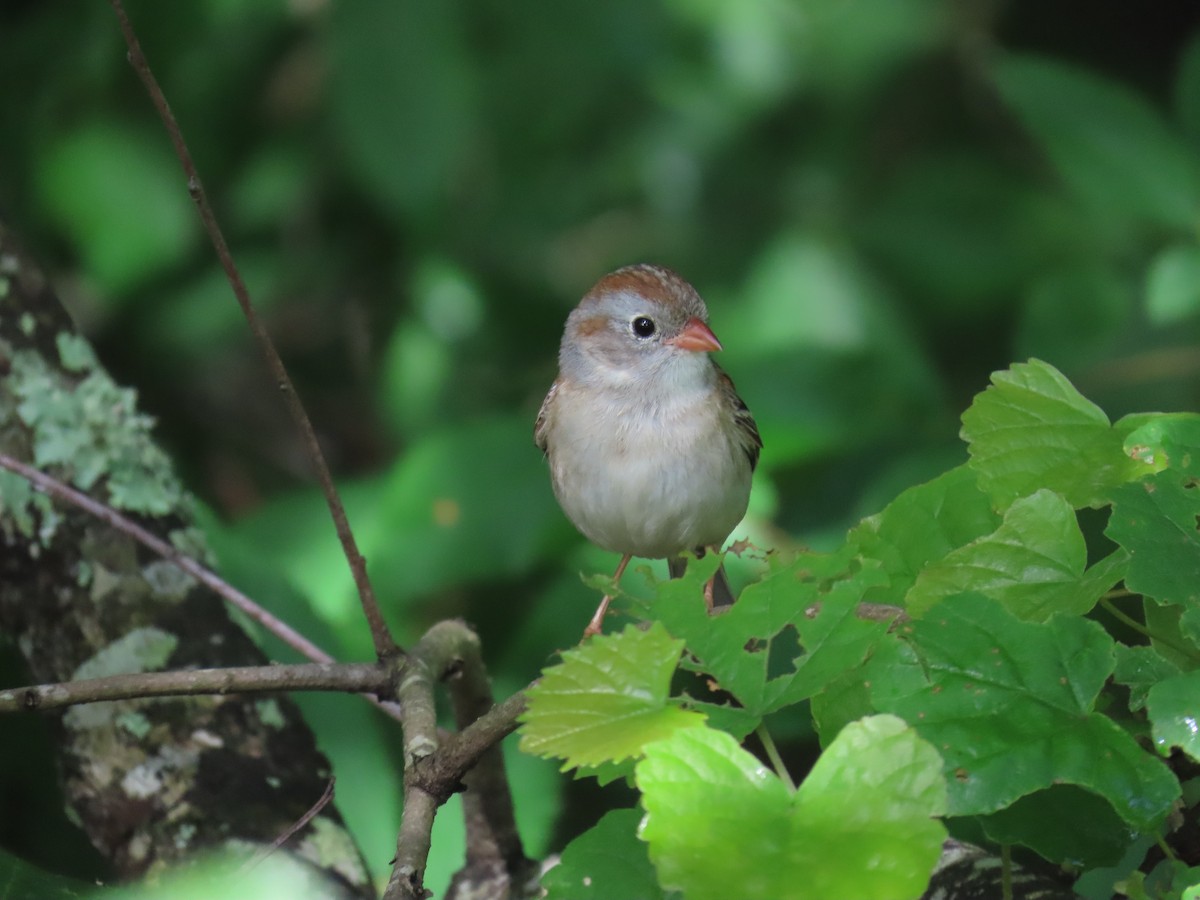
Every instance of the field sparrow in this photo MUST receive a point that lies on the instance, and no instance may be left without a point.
(650, 447)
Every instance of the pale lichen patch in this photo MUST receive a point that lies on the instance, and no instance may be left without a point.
(22, 508)
(270, 713)
(168, 580)
(76, 353)
(205, 738)
(141, 650)
(104, 582)
(134, 722)
(330, 846)
(89, 429)
(142, 782)
(190, 541)
(183, 837)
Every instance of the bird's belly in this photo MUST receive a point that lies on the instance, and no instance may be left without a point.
(652, 497)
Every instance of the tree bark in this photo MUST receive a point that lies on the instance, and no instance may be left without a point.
(154, 781)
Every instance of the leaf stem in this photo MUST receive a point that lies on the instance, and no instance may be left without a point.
(1166, 849)
(1006, 888)
(773, 754)
(1125, 619)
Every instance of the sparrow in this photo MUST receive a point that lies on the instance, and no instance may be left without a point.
(650, 448)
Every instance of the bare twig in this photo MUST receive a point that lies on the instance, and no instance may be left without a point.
(355, 678)
(324, 800)
(208, 578)
(385, 644)
(458, 753)
(439, 653)
(491, 823)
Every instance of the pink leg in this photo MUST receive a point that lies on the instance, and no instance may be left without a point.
(594, 626)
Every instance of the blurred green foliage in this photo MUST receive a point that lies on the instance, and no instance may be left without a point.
(881, 200)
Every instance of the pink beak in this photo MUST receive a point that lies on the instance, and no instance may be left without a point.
(697, 337)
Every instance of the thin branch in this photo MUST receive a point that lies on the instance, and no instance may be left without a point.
(385, 644)
(459, 752)
(207, 577)
(324, 800)
(440, 652)
(490, 818)
(351, 678)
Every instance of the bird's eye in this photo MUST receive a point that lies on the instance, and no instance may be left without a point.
(642, 326)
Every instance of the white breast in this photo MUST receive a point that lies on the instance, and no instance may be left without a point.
(646, 475)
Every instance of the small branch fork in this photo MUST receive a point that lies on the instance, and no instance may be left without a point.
(434, 770)
(385, 645)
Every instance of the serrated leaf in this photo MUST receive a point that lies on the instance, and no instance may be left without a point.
(606, 861)
(1031, 430)
(607, 773)
(1111, 147)
(1139, 669)
(1163, 441)
(720, 825)
(1010, 705)
(1156, 520)
(924, 524)
(606, 699)
(1168, 636)
(811, 595)
(1189, 625)
(1033, 564)
(841, 702)
(1175, 714)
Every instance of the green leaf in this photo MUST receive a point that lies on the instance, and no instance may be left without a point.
(922, 525)
(737, 648)
(1011, 707)
(606, 699)
(21, 881)
(278, 877)
(1173, 284)
(604, 862)
(1064, 824)
(841, 702)
(720, 825)
(1175, 714)
(1031, 429)
(1168, 634)
(1033, 564)
(1109, 145)
(121, 197)
(1075, 310)
(403, 87)
(440, 516)
(1157, 518)
(1164, 441)
(1139, 669)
